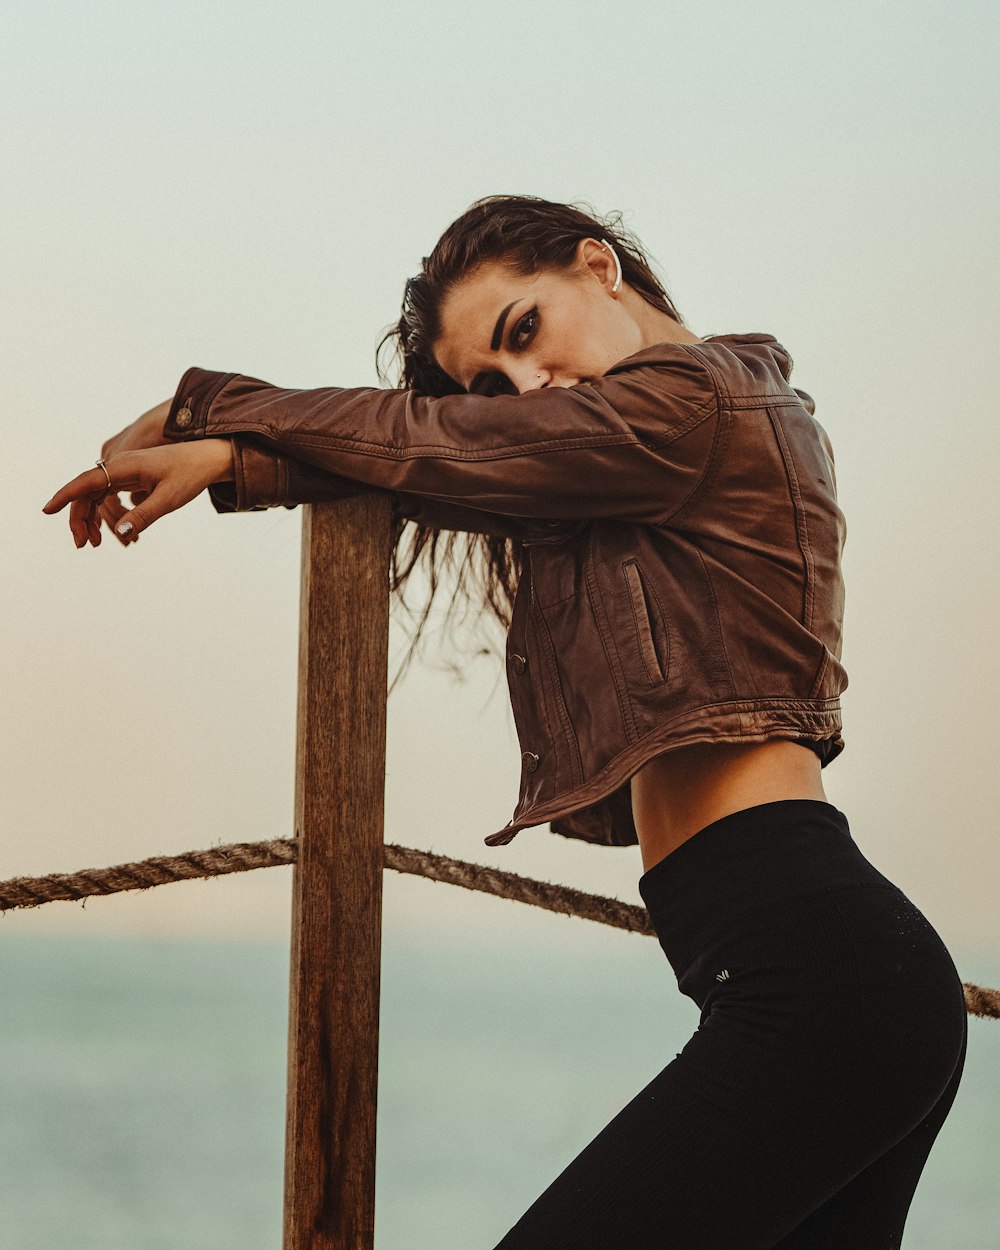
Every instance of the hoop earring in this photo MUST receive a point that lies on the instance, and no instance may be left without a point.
(618, 266)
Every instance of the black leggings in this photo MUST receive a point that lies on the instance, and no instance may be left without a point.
(831, 1044)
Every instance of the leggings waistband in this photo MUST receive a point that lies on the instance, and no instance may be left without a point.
(746, 861)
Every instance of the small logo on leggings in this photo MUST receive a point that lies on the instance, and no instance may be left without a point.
(723, 975)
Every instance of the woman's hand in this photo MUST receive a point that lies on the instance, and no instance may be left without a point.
(146, 431)
(161, 479)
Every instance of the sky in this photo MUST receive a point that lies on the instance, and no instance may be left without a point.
(247, 186)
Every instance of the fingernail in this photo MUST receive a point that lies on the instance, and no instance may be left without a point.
(125, 528)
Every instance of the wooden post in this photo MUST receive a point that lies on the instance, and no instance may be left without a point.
(337, 884)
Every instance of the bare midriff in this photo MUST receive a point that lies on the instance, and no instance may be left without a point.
(676, 794)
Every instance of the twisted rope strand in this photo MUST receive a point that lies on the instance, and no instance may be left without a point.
(558, 898)
(144, 873)
(246, 856)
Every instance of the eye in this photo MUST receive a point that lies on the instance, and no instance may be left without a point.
(523, 330)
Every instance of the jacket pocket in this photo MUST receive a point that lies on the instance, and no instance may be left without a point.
(650, 627)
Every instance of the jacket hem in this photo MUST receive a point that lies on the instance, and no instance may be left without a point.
(739, 722)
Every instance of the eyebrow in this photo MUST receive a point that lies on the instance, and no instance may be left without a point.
(498, 328)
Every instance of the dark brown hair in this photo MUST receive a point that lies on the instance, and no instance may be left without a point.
(530, 234)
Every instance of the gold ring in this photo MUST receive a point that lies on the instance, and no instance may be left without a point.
(102, 465)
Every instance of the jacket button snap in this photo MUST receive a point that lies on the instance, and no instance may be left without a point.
(518, 663)
(530, 761)
(184, 418)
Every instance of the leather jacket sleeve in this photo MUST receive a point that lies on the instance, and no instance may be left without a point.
(264, 479)
(633, 444)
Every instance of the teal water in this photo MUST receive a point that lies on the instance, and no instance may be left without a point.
(142, 1090)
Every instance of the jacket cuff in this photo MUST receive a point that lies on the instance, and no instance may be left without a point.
(260, 481)
(188, 416)
(265, 479)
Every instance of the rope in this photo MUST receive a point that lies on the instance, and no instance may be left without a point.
(144, 873)
(245, 856)
(559, 898)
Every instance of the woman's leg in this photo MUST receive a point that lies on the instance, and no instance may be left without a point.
(832, 1031)
(871, 1209)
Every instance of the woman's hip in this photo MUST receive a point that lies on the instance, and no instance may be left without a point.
(791, 941)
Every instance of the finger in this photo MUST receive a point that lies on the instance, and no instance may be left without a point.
(79, 510)
(93, 522)
(111, 512)
(137, 496)
(91, 483)
(156, 504)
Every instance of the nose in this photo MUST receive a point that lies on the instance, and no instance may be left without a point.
(527, 377)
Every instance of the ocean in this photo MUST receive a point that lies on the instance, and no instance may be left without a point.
(142, 1089)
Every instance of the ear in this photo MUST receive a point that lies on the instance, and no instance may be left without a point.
(597, 258)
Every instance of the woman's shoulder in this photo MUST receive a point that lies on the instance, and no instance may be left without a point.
(738, 366)
(713, 349)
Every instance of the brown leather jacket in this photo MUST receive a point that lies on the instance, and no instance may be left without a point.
(682, 546)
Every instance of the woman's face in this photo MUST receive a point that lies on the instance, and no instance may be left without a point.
(505, 333)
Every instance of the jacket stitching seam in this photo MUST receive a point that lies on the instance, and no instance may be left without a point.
(239, 476)
(824, 664)
(721, 400)
(718, 620)
(557, 603)
(718, 441)
(541, 702)
(445, 451)
(801, 525)
(693, 421)
(624, 704)
(382, 450)
(628, 436)
(763, 401)
(549, 659)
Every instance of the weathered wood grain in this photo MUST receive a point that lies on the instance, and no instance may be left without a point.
(337, 885)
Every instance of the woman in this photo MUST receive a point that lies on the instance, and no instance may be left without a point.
(653, 515)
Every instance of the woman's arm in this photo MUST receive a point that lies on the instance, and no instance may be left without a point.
(634, 443)
(165, 478)
(266, 479)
